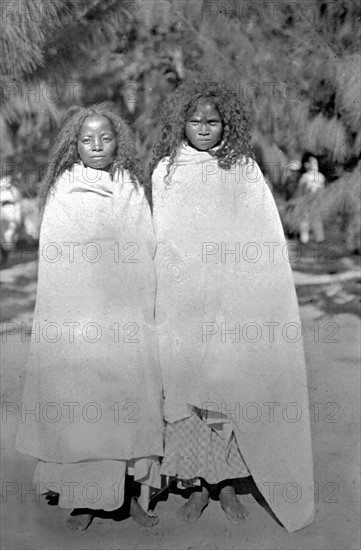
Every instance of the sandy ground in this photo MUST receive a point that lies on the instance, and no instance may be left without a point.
(329, 306)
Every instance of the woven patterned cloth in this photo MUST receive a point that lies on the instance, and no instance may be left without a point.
(193, 449)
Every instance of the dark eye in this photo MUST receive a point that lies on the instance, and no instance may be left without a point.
(85, 140)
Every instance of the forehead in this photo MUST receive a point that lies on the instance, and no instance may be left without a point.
(204, 108)
(96, 123)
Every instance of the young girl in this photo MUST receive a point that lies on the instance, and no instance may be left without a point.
(310, 182)
(93, 383)
(234, 375)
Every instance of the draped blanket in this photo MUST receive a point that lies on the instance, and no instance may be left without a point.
(228, 321)
(93, 383)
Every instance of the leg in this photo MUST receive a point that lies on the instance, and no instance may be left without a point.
(144, 497)
(140, 516)
(139, 508)
(304, 232)
(79, 519)
(230, 504)
(192, 510)
(318, 231)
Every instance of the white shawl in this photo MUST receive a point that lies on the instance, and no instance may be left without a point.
(93, 376)
(222, 266)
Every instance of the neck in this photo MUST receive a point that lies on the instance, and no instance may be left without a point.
(106, 169)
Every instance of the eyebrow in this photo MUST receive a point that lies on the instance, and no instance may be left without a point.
(89, 133)
(211, 117)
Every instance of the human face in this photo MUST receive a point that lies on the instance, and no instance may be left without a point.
(311, 164)
(204, 127)
(96, 142)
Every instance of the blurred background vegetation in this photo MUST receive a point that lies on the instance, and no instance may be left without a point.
(296, 64)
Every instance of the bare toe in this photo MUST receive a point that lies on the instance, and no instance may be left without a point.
(79, 522)
(146, 519)
(193, 508)
(234, 510)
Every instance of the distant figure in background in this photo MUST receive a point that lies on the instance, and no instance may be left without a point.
(11, 217)
(290, 178)
(310, 182)
(31, 220)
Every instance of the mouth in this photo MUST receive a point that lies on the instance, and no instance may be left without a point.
(97, 158)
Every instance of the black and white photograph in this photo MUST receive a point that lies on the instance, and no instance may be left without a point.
(180, 274)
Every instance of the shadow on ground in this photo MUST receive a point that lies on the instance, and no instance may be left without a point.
(332, 299)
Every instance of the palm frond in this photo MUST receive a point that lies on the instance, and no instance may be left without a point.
(329, 136)
(25, 27)
(348, 80)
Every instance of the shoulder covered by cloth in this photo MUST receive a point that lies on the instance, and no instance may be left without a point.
(82, 178)
(243, 170)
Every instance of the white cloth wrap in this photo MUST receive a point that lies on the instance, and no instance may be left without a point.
(201, 294)
(93, 375)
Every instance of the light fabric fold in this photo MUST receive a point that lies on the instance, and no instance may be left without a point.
(93, 379)
(228, 323)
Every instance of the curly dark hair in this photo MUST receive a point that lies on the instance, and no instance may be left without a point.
(65, 150)
(236, 139)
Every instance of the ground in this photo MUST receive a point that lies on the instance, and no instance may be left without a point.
(329, 298)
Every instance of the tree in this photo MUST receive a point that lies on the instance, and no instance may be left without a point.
(296, 64)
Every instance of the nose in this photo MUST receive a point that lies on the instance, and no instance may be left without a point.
(203, 129)
(97, 144)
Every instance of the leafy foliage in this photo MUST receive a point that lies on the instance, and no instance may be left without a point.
(297, 64)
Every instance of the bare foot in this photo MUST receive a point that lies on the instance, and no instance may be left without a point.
(147, 519)
(79, 521)
(234, 510)
(193, 508)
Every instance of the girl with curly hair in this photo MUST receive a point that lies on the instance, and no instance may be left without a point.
(223, 287)
(92, 377)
